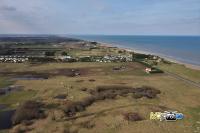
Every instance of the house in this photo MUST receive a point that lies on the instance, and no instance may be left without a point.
(158, 60)
(64, 57)
(13, 59)
(148, 70)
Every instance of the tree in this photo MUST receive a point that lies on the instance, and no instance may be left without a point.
(50, 53)
(64, 53)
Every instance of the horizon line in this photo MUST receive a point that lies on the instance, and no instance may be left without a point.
(95, 34)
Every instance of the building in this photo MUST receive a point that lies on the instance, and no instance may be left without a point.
(148, 70)
(64, 57)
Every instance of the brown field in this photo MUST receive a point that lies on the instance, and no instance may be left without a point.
(107, 115)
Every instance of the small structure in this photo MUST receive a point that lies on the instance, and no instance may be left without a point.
(13, 59)
(148, 70)
(65, 57)
(158, 60)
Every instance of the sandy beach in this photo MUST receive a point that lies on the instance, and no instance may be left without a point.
(191, 66)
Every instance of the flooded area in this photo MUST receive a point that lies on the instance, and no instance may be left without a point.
(2, 106)
(61, 96)
(9, 89)
(29, 78)
(6, 119)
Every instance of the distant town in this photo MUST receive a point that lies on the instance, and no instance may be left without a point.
(64, 50)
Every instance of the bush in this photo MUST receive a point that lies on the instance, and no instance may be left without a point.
(108, 92)
(27, 111)
(64, 53)
(83, 89)
(70, 109)
(88, 101)
(132, 116)
(137, 95)
(146, 91)
(92, 80)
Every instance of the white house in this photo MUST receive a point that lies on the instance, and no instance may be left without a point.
(64, 57)
(148, 70)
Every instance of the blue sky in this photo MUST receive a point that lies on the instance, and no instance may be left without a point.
(129, 17)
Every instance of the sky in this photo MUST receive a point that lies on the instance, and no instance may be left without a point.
(104, 17)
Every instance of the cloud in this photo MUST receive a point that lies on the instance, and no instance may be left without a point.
(7, 8)
(100, 16)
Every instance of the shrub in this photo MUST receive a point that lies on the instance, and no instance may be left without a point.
(132, 116)
(27, 111)
(70, 109)
(108, 92)
(137, 95)
(88, 101)
(146, 91)
(92, 80)
(79, 106)
(83, 89)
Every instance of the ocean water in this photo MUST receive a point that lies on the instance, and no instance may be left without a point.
(185, 49)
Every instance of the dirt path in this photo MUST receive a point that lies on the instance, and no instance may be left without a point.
(183, 79)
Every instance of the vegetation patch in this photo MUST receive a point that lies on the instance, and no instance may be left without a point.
(92, 80)
(4, 82)
(107, 92)
(146, 91)
(195, 118)
(79, 81)
(112, 91)
(16, 97)
(46, 74)
(131, 116)
(119, 68)
(27, 111)
(87, 124)
(84, 89)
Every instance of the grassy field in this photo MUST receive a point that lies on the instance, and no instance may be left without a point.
(100, 51)
(4, 82)
(106, 116)
(182, 71)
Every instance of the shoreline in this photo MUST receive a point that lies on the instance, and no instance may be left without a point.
(187, 65)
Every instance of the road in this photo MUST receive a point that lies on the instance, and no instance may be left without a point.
(183, 79)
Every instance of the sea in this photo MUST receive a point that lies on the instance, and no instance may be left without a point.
(183, 49)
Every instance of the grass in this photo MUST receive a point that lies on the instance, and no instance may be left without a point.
(107, 115)
(15, 98)
(182, 71)
(94, 52)
(4, 82)
(195, 118)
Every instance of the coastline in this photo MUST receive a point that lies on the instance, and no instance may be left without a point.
(187, 65)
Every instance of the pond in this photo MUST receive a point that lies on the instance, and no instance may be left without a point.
(6, 119)
(30, 77)
(2, 106)
(9, 89)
